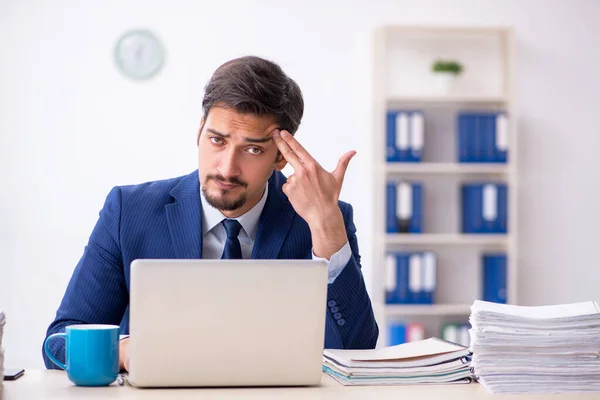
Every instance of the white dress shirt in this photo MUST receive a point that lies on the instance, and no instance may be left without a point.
(214, 235)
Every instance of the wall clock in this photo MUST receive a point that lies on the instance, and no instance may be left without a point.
(139, 54)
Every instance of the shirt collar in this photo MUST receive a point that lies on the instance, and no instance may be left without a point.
(212, 217)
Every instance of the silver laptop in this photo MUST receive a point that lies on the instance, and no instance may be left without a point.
(227, 322)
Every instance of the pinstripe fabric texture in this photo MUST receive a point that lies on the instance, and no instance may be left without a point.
(162, 219)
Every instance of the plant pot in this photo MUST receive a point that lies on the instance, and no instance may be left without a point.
(444, 82)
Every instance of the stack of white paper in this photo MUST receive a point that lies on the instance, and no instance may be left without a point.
(546, 349)
(425, 361)
(2, 321)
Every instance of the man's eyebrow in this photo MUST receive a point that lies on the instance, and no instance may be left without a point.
(211, 130)
(249, 140)
(261, 140)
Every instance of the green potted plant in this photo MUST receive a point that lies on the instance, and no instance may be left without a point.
(445, 73)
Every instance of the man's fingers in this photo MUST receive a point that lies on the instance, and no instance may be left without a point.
(342, 166)
(291, 179)
(297, 148)
(286, 150)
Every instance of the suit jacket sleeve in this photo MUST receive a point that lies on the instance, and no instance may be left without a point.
(350, 320)
(97, 292)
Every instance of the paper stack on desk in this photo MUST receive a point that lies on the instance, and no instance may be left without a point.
(547, 349)
(425, 361)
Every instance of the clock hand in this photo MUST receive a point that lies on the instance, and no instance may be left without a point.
(139, 54)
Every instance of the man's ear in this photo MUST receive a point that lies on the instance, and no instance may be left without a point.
(280, 162)
(200, 129)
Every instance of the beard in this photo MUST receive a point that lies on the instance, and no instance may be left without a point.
(222, 202)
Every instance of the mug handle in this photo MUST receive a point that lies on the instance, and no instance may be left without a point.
(47, 349)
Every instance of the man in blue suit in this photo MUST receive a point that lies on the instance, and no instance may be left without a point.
(236, 205)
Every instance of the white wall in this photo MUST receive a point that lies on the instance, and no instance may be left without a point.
(71, 127)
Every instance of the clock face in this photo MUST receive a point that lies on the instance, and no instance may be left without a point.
(139, 54)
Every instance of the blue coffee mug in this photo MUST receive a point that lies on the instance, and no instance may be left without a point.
(91, 354)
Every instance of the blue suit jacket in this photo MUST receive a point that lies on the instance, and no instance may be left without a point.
(163, 219)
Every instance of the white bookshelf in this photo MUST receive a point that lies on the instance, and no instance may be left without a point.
(454, 239)
(422, 309)
(401, 78)
(434, 100)
(444, 168)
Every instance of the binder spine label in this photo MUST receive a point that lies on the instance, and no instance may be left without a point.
(402, 137)
(390, 273)
(429, 271)
(404, 201)
(415, 275)
(490, 202)
(417, 131)
(502, 132)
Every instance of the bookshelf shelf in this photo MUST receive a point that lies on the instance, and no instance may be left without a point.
(445, 168)
(402, 82)
(445, 100)
(426, 239)
(393, 310)
(421, 30)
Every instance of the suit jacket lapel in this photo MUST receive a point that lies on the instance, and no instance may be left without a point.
(275, 221)
(184, 217)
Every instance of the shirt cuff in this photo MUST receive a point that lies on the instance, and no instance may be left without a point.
(337, 262)
(121, 337)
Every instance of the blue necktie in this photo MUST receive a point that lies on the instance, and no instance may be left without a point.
(232, 249)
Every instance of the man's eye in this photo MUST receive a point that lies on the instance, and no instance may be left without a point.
(255, 150)
(216, 140)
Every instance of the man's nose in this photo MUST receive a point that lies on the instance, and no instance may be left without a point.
(229, 164)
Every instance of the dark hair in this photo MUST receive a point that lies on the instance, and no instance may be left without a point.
(256, 86)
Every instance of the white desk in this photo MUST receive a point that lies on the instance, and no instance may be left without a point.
(46, 385)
